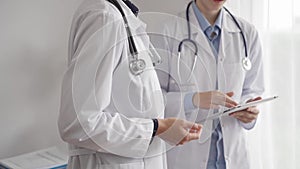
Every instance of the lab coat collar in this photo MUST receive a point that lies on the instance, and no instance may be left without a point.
(203, 22)
(133, 21)
(198, 34)
(195, 28)
(229, 27)
(227, 23)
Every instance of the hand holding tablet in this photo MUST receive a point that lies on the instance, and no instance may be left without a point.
(239, 108)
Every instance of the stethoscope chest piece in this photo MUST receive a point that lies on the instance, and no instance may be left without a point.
(137, 66)
(247, 65)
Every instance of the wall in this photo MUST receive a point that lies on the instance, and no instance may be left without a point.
(33, 52)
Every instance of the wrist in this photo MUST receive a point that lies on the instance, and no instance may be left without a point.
(195, 99)
(161, 126)
(155, 127)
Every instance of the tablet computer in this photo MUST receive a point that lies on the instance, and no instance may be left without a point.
(239, 108)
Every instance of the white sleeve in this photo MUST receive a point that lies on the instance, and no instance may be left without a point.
(99, 40)
(254, 81)
(174, 99)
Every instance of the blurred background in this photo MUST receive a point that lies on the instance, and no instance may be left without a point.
(33, 57)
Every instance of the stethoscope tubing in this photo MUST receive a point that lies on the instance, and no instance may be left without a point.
(190, 40)
(242, 32)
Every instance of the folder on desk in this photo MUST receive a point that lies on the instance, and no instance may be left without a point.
(50, 158)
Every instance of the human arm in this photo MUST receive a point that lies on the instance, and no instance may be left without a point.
(248, 115)
(84, 120)
(253, 86)
(213, 100)
(183, 97)
(177, 131)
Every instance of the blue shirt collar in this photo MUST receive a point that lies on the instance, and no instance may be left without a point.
(204, 24)
(218, 22)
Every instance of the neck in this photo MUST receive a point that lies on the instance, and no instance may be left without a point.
(210, 15)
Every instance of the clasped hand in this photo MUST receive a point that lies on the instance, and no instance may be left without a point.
(217, 99)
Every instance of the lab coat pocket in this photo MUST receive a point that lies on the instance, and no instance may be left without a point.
(134, 165)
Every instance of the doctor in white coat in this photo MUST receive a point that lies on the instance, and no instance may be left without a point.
(108, 115)
(219, 80)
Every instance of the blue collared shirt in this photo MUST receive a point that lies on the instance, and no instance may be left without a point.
(212, 32)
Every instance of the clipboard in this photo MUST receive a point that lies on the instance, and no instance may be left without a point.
(238, 108)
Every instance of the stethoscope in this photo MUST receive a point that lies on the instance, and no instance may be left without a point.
(246, 63)
(136, 64)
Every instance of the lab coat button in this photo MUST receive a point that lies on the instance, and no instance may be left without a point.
(227, 159)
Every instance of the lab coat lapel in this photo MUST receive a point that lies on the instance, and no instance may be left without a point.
(229, 28)
(133, 21)
(137, 28)
(198, 35)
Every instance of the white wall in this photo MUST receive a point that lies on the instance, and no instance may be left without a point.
(33, 52)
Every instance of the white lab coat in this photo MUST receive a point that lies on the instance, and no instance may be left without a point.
(106, 112)
(227, 72)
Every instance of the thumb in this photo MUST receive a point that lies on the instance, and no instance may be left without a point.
(230, 94)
